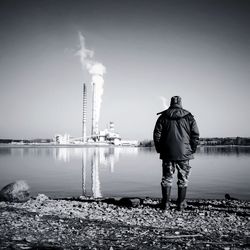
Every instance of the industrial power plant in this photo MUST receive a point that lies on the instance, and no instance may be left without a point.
(97, 137)
(107, 136)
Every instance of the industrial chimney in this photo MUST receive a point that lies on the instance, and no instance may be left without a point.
(94, 128)
(84, 114)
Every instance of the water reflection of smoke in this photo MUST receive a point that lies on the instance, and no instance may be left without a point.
(96, 158)
(95, 187)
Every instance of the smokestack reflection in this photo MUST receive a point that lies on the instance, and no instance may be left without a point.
(84, 172)
(92, 161)
(95, 179)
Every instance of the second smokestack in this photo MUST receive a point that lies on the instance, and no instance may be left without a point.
(84, 114)
(94, 128)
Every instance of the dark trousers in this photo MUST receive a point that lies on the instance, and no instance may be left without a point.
(168, 170)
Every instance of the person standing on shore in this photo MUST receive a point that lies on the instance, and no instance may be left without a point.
(176, 137)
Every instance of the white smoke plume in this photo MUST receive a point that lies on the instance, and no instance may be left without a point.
(96, 70)
(164, 102)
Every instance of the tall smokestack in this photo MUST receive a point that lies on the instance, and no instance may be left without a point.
(94, 127)
(96, 70)
(84, 114)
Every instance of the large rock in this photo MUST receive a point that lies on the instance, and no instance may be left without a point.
(17, 191)
(130, 202)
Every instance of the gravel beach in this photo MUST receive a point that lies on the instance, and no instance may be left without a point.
(43, 223)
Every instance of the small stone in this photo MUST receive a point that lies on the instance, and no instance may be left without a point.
(17, 238)
(30, 239)
(41, 198)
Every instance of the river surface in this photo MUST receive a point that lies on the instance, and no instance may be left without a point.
(123, 171)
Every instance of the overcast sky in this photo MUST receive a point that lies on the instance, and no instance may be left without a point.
(199, 50)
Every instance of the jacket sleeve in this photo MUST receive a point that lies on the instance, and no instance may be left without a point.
(158, 133)
(194, 135)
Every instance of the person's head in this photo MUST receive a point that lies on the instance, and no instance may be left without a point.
(176, 102)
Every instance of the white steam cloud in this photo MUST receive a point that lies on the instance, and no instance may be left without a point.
(164, 102)
(96, 70)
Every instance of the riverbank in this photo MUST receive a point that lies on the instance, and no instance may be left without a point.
(43, 223)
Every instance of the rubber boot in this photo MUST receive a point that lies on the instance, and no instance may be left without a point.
(181, 203)
(166, 192)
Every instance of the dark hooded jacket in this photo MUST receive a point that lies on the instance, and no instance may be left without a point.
(176, 134)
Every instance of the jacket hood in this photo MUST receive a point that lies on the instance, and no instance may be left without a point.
(174, 113)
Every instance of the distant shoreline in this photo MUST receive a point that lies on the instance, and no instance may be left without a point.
(211, 141)
(44, 145)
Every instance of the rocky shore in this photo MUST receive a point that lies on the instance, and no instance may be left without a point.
(43, 223)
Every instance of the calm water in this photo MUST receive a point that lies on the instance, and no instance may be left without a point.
(127, 171)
